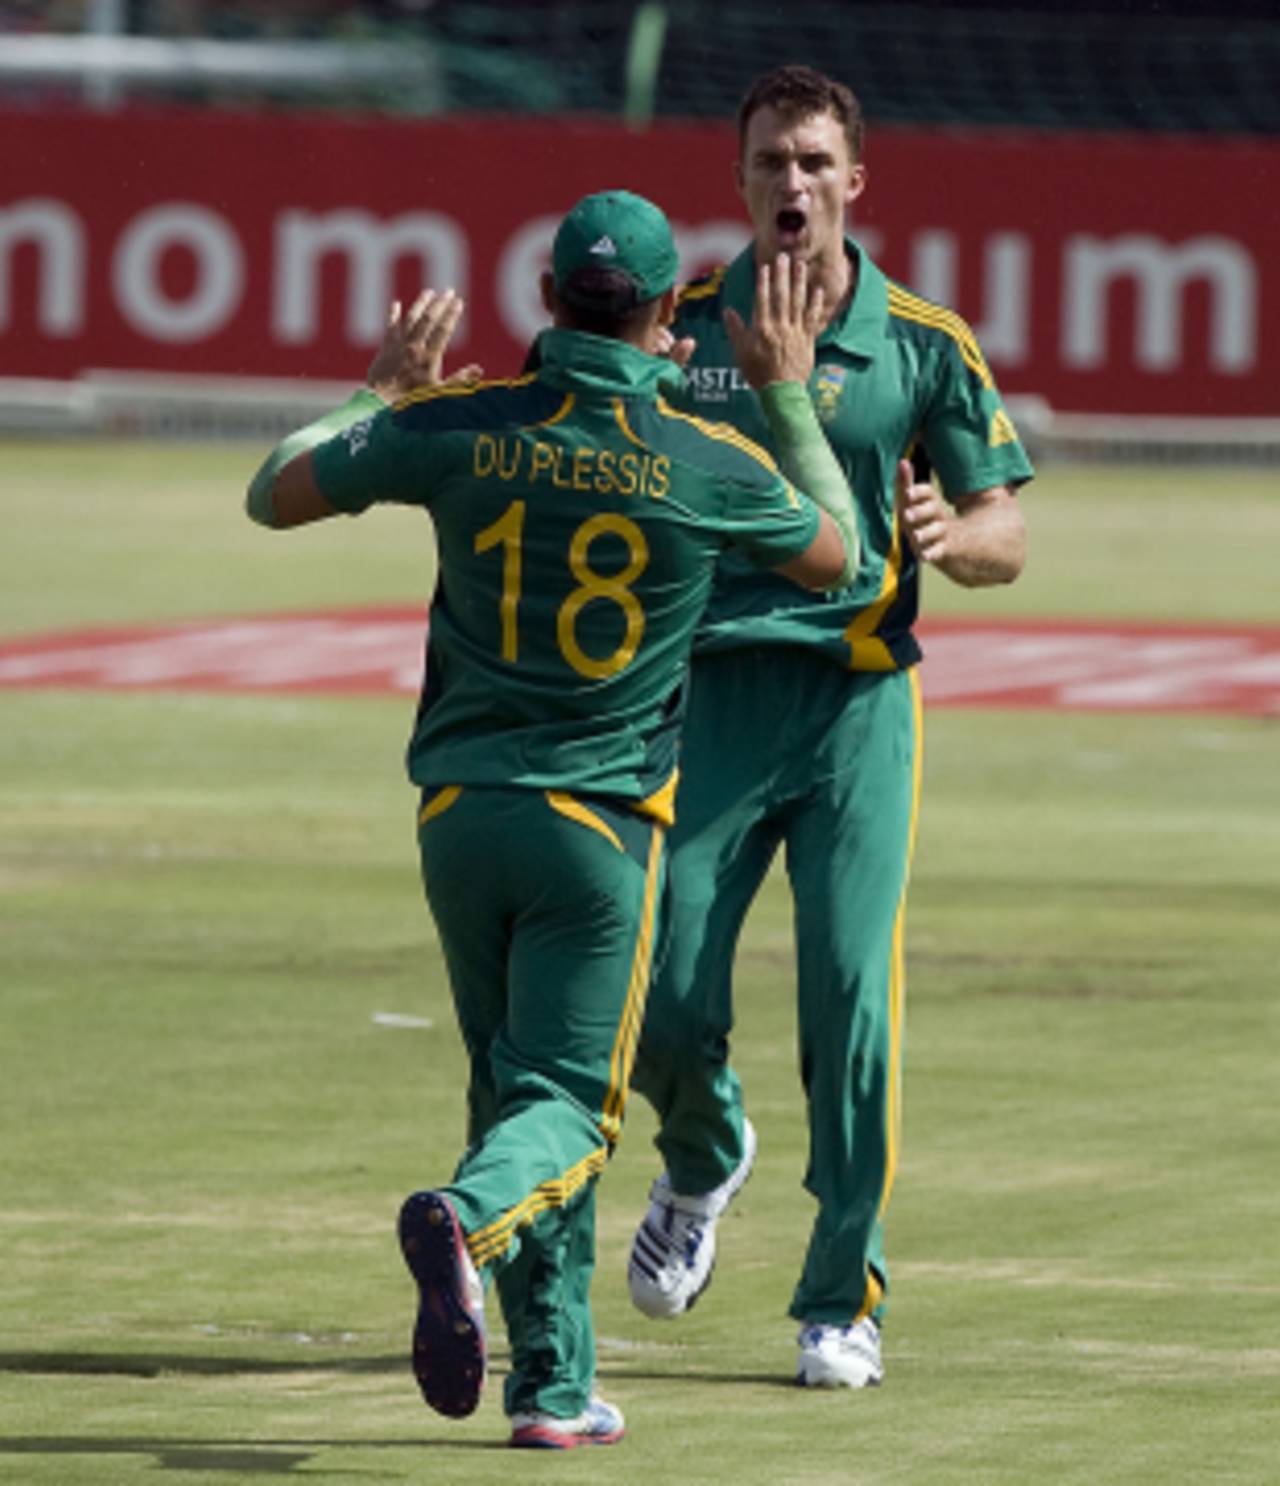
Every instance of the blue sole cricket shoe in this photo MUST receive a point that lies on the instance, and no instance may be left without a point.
(448, 1335)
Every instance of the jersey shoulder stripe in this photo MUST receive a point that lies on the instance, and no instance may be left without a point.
(699, 302)
(705, 286)
(907, 306)
(624, 423)
(724, 433)
(716, 449)
(460, 389)
(521, 402)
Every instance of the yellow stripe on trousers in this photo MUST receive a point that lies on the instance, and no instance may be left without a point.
(897, 973)
(487, 1243)
(439, 803)
(898, 988)
(495, 1238)
(573, 809)
(624, 1047)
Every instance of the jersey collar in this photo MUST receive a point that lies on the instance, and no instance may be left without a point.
(578, 361)
(859, 330)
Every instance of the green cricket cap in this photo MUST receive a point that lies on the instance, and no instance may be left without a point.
(615, 230)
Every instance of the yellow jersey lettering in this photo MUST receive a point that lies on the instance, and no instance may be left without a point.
(543, 459)
(581, 467)
(509, 453)
(583, 459)
(660, 481)
(558, 476)
(493, 456)
(627, 465)
(484, 456)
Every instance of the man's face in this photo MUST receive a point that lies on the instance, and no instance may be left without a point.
(797, 179)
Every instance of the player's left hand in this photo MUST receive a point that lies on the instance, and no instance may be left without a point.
(778, 345)
(924, 515)
(411, 354)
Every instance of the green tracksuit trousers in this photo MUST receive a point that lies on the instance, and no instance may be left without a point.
(546, 907)
(781, 747)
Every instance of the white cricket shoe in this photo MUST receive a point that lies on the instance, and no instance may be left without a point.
(600, 1423)
(840, 1356)
(674, 1250)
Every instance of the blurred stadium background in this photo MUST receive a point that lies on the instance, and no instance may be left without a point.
(1186, 65)
(1093, 186)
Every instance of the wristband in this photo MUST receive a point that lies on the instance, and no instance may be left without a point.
(807, 460)
(363, 403)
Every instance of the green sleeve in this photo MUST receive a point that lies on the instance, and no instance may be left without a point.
(971, 440)
(258, 502)
(768, 523)
(807, 460)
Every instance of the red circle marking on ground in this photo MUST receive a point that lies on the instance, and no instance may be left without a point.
(1086, 666)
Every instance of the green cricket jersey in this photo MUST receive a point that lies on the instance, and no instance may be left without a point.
(579, 517)
(892, 371)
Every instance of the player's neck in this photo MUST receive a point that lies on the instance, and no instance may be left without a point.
(838, 275)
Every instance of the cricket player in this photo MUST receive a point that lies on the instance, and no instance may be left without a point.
(804, 731)
(578, 519)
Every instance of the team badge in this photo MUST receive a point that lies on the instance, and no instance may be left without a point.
(827, 387)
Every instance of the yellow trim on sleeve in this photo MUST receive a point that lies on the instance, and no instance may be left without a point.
(439, 803)
(1002, 430)
(909, 306)
(576, 810)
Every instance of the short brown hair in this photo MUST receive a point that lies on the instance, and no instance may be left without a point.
(799, 91)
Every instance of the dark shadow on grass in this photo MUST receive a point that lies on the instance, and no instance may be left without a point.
(154, 1364)
(239, 1457)
(158, 1364)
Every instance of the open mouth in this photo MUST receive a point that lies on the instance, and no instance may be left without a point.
(790, 224)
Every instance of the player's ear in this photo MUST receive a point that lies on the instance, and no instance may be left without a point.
(667, 306)
(857, 184)
(739, 178)
(548, 286)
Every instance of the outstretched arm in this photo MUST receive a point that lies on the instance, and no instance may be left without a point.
(979, 542)
(284, 492)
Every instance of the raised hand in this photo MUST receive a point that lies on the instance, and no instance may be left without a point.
(778, 345)
(411, 354)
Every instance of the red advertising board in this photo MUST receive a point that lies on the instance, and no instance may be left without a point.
(1118, 274)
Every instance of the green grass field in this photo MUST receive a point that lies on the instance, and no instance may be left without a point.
(206, 1135)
